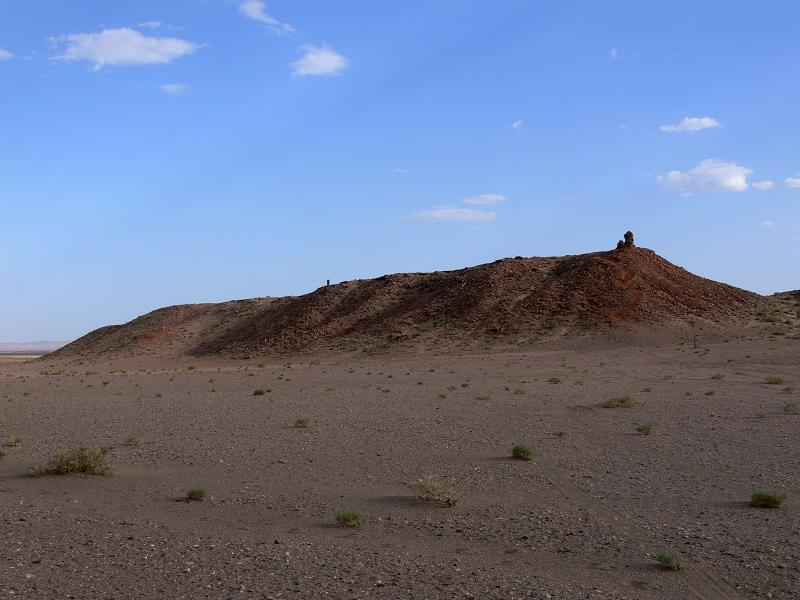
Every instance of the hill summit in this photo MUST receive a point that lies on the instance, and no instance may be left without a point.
(506, 301)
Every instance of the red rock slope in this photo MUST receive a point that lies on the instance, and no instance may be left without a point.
(507, 300)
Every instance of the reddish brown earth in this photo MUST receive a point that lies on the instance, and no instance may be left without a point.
(509, 302)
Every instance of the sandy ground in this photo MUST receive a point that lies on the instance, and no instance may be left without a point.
(584, 519)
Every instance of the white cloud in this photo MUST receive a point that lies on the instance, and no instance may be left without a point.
(768, 224)
(174, 89)
(764, 185)
(117, 47)
(711, 175)
(257, 10)
(518, 124)
(792, 182)
(5, 54)
(399, 171)
(319, 60)
(615, 54)
(151, 24)
(624, 126)
(484, 199)
(453, 214)
(691, 125)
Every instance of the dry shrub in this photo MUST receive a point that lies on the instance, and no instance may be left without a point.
(437, 490)
(624, 401)
(87, 460)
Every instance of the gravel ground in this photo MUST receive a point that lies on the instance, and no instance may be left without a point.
(584, 519)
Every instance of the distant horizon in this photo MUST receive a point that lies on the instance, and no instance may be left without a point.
(170, 153)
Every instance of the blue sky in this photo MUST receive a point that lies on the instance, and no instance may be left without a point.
(156, 153)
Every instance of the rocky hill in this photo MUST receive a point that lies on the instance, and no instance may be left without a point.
(507, 301)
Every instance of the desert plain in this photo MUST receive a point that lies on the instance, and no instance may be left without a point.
(281, 444)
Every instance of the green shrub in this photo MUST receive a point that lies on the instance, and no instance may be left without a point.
(764, 499)
(522, 453)
(13, 442)
(624, 401)
(347, 518)
(774, 380)
(259, 392)
(560, 434)
(554, 380)
(717, 376)
(198, 494)
(645, 428)
(302, 423)
(669, 561)
(87, 460)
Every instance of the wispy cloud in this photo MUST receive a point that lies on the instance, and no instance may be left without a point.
(711, 175)
(120, 47)
(151, 24)
(763, 185)
(615, 54)
(792, 182)
(257, 10)
(319, 61)
(6, 55)
(399, 171)
(518, 124)
(691, 125)
(452, 214)
(174, 89)
(768, 224)
(484, 199)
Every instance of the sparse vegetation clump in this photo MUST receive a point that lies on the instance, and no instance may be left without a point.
(792, 408)
(132, 441)
(645, 428)
(437, 490)
(86, 460)
(302, 423)
(197, 494)
(764, 499)
(13, 442)
(347, 518)
(554, 380)
(624, 401)
(774, 380)
(259, 392)
(669, 561)
(522, 453)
